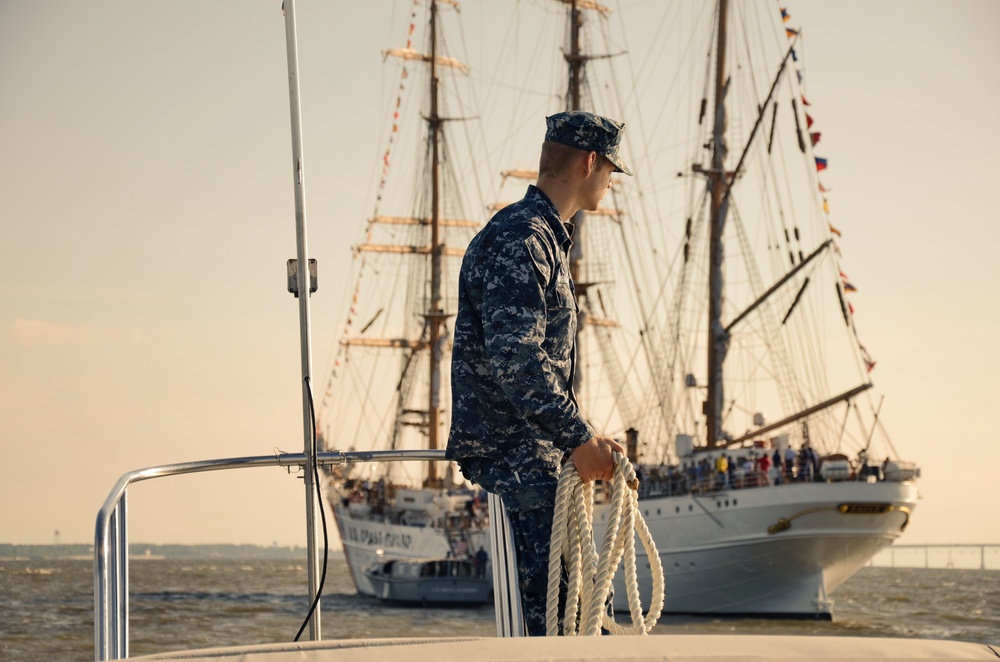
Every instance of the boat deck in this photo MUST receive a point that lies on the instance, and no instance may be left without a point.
(703, 648)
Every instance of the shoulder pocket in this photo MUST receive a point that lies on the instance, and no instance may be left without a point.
(540, 258)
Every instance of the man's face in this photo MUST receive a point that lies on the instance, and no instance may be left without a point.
(600, 182)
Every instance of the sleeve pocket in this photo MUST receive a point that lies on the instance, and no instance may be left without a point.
(563, 296)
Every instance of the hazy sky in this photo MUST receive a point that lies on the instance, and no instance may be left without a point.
(146, 210)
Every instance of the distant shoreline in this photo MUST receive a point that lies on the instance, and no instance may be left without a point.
(143, 551)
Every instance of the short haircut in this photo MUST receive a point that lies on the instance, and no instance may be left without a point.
(556, 158)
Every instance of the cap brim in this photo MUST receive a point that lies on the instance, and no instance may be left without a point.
(619, 164)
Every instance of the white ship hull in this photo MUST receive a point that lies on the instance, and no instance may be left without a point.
(717, 553)
(720, 558)
(368, 541)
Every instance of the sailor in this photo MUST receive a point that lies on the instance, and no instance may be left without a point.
(515, 417)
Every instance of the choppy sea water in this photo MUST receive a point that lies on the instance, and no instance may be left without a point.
(46, 608)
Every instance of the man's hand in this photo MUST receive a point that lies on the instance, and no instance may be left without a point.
(592, 459)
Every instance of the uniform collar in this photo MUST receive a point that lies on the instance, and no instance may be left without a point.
(563, 231)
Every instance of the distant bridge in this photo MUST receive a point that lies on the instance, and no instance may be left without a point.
(940, 556)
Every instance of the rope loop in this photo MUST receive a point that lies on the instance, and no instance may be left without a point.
(590, 574)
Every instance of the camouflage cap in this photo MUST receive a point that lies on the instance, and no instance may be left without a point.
(589, 132)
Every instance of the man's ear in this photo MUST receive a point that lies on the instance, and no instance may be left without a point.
(591, 163)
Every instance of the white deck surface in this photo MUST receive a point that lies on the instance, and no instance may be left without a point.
(681, 648)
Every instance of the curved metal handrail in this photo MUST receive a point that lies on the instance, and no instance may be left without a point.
(111, 534)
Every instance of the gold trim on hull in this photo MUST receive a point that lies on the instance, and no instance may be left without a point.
(785, 523)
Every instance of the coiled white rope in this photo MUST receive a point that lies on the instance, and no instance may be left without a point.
(590, 574)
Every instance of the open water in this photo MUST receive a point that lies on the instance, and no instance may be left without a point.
(46, 608)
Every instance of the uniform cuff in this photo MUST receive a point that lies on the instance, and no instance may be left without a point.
(578, 435)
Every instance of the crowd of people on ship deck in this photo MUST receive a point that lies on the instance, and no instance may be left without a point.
(379, 497)
(735, 470)
(730, 470)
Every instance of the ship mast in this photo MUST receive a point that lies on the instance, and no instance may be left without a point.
(720, 184)
(718, 338)
(435, 315)
(433, 336)
(577, 62)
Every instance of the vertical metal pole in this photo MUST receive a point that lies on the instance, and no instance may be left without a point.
(121, 582)
(103, 584)
(114, 635)
(110, 584)
(506, 589)
(100, 598)
(305, 343)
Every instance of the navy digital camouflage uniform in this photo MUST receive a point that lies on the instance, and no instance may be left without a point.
(514, 414)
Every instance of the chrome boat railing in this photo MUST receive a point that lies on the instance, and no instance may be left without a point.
(111, 580)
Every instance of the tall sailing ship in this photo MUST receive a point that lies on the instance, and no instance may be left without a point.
(389, 382)
(709, 306)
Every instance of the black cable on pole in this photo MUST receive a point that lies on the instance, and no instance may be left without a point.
(322, 512)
